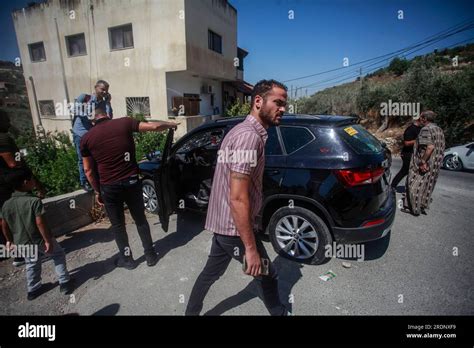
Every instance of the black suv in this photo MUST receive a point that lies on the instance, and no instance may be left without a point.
(326, 179)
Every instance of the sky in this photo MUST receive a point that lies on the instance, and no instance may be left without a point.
(319, 35)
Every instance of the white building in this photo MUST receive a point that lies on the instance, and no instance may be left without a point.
(161, 57)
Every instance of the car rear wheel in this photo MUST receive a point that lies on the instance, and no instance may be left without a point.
(299, 234)
(452, 162)
(150, 199)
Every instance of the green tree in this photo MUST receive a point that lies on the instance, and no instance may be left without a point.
(238, 109)
(398, 66)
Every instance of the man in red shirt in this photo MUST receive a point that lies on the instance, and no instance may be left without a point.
(110, 148)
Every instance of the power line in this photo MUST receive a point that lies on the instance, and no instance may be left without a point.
(406, 53)
(469, 23)
(377, 67)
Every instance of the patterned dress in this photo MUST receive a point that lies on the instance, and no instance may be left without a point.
(420, 186)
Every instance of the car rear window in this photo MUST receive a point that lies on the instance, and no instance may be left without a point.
(295, 138)
(359, 139)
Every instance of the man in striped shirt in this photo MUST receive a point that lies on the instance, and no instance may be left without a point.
(236, 198)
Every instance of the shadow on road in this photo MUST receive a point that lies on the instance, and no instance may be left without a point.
(289, 273)
(188, 226)
(372, 250)
(82, 239)
(111, 309)
(93, 270)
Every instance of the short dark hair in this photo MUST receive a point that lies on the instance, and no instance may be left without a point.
(263, 87)
(4, 121)
(102, 82)
(17, 176)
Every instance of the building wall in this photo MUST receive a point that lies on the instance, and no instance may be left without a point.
(169, 36)
(200, 58)
(159, 47)
(182, 82)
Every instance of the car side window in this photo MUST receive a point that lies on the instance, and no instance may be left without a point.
(272, 146)
(295, 138)
(209, 140)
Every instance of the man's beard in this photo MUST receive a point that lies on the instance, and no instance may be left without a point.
(266, 117)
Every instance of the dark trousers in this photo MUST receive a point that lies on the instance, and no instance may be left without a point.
(130, 192)
(223, 250)
(406, 158)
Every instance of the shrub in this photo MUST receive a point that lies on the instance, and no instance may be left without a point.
(147, 142)
(238, 109)
(398, 66)
(52, 158)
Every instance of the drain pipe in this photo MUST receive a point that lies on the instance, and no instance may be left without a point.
(38, 115)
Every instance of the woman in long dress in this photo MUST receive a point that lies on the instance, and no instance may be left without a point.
(425, 165)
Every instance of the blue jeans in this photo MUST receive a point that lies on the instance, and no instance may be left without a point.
(77, 144)
(33, 266)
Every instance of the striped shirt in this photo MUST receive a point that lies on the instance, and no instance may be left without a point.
(242, 151)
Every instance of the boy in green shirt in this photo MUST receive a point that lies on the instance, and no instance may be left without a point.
(24, 225)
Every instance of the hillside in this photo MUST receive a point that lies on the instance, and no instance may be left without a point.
(431, 80)
(13, 99)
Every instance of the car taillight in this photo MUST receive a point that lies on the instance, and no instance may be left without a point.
(355, 177)
(373, 222)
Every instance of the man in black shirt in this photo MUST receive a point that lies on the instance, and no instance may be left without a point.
(409, 138)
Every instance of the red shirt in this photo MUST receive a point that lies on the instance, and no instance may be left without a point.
(110, 143)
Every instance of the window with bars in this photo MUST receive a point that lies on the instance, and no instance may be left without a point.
(46, 108)
(121, 37)
(37, 53)
(76, 45)
(214, 42)
(138, 106)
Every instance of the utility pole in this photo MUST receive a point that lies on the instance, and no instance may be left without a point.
(360, 77)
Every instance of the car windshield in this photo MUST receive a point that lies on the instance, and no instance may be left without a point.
(359, 139)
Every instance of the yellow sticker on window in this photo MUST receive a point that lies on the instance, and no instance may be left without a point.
(350, 130)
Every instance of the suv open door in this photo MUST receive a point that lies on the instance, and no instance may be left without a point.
(163, 185)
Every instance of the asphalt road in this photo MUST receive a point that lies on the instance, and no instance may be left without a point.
(424, 267)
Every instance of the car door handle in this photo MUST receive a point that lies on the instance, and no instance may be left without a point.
(272, 172)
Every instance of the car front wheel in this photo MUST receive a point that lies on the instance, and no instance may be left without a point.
(150, 198)
(299, 235)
